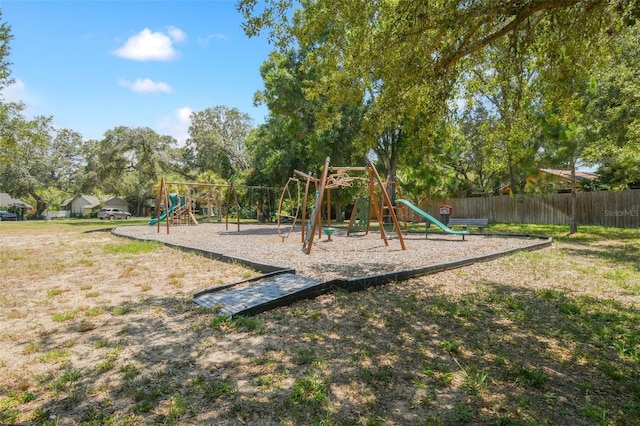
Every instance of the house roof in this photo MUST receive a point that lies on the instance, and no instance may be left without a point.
(581, 177)
(117, 199)
(91, 200)
(9, 201)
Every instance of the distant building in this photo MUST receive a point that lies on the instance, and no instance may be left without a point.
(16, 205)
(84, 205)
(80, 205)
(561, 179)
(556, 181)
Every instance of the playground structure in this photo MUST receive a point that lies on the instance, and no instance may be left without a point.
(334, 178)
(430, 218)
(179, 209)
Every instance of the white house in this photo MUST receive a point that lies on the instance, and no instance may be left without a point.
(80, 205)
(84, 205)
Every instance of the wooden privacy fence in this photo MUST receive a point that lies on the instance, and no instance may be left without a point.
(604, 208)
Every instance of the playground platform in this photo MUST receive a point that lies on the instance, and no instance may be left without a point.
(285, 274)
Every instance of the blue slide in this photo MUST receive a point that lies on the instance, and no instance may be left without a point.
(427, 216)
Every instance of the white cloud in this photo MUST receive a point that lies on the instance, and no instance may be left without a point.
(152, 46)
(204, 41)
(176, 34)
(184, 115)
(14, 92)
(177, 125)
(146, 85)
(18, 92)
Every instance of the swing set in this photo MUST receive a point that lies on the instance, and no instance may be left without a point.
(178, 209)
(333, 177)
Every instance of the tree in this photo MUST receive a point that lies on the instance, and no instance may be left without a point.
(211, 194)
(502, 84)
(128, 162)
(10, 112)
(27, 167)
(67, 162)
(566, 83)
(286, 82)
(293, 138)
(405, 58)
(612, 116)
(217, 139)
(479, 166)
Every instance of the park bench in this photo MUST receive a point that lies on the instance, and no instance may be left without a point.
(480, 223)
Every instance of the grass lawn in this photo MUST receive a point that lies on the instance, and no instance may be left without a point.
(101, 330)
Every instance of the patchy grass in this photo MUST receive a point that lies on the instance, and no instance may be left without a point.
(545, 337)
(132, 247)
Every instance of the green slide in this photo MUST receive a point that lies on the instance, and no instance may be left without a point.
(427, 216)
(163, 216)
(174, 201)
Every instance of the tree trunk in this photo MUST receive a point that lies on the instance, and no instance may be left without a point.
(574, 200)
(514, 181)
(219, 209)
(338, 211)
(41, 204)
(392, 169)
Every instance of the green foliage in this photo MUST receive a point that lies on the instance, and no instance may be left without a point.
(507, 58)
(294, 137)
(64, 316)
(128, 161)
(217, 141)
(109, 361)
(304, 356)
(614, 113)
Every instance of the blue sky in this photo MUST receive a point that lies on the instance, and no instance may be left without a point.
(94, 65)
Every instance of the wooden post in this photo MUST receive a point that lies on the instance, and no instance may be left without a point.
(377, 207)
(386, 199)
(235, 197)
(226, 216)
(328, 207)
(304, 207)
(314, 219)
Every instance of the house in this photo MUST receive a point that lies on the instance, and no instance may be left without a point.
(14, 204)
(80, 205)
(116, 203)
(556, 181)
(561, 179)
(84, 205)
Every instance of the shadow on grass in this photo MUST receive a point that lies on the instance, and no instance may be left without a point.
(621, 256)
(404, 353)
(585, 234)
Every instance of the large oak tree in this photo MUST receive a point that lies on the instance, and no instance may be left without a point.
(405, 58)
